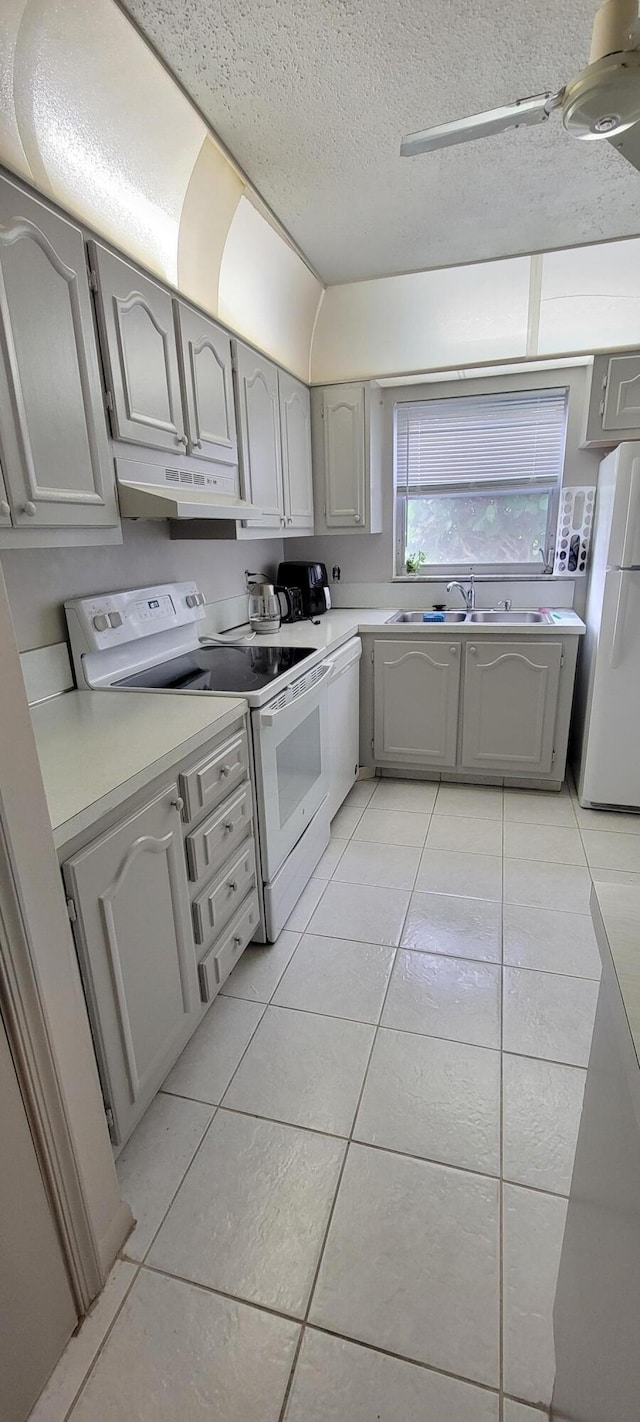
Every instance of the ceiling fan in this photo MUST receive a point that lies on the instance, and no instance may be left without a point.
(602, 101)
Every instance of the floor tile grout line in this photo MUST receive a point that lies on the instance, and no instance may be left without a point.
(303, 1324)
(339, 1183)
(204, 1136)
(103, 1341)
(402, 1358)
(383, 1149)
(377, 1027)
(325, 1237)
(222, 1293)
(177, 1191)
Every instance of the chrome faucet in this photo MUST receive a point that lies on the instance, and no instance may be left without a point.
(467, 591)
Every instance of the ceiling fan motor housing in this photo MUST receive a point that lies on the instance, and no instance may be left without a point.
(604, 99)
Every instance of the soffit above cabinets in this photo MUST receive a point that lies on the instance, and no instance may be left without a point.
(312, 100)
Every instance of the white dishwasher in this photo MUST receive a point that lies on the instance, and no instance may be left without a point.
(344, 721)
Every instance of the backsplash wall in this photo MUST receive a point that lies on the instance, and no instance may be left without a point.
(366, 561)
(39, 580)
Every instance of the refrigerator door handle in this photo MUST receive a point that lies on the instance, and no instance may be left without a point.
(629, 541)
(619, 619)
(617, 638)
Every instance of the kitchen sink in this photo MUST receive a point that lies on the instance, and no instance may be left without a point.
(418, 617)
(515, 618)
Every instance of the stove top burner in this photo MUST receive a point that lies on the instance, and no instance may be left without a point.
(233, 669)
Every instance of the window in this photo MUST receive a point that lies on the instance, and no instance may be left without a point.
(477, 480)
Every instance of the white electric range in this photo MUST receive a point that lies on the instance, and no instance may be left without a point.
(147, 639)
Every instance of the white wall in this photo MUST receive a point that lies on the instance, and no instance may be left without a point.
(560, 303)
(39, 580)
(366, 561)
(90, 116)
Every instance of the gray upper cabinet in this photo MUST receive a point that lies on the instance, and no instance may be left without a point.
(613, 407)
(207, 383)
(346, 422)
(140, 352)
(295, 425)
(5, 507)
(259, 430)
(510, 704)
(131, 900)
(55, 455)
(416, 691)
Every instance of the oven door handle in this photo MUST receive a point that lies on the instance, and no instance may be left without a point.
(269, 718)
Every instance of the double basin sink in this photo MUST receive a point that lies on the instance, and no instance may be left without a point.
(514, 618)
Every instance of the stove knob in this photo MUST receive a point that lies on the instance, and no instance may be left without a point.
(100, 621)
(115, 619)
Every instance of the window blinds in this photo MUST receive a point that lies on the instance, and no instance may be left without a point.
(482, 441)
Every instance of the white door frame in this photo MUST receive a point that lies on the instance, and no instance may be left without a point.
(43, 1007)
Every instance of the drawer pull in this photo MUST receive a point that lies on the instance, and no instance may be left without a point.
(229, 826)
(224, 770)
(473, 651)
(237, 939)
(178, 803)
(233, 886)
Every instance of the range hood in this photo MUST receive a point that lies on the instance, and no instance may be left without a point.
(155, 491)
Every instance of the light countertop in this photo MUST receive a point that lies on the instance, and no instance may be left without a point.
(341, 623)
(617, 910)
(97, 748)
(334, 628)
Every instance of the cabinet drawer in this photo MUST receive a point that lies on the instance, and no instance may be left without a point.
(224, 768)
(212, 843)
(219, 901)
(218, 962)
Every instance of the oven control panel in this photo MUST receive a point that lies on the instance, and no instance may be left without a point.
(108, 622)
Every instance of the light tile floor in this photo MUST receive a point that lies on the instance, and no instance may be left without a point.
(351, 1192)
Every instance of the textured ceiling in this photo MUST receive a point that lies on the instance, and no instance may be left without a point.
(312, 96)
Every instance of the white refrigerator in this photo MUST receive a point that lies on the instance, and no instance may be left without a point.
(608, 695)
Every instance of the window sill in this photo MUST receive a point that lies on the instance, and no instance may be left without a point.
(452, 576)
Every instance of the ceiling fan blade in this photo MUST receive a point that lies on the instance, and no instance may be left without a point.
(524, 111)
(628, 144)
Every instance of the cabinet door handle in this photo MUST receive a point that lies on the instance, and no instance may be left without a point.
(197, 443)
(454, 651)
(178, 803)
(357, 518)
(472, 651)
(5, 511)
(289, 520)
(182, 439)
(233, 886)
(30, 509)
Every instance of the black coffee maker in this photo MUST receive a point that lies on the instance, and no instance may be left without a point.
(312, 580)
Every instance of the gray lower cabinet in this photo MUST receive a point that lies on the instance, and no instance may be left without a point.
(510, 700)
(133, 927)
(163, 904)
(472, 706)
(416, 691)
